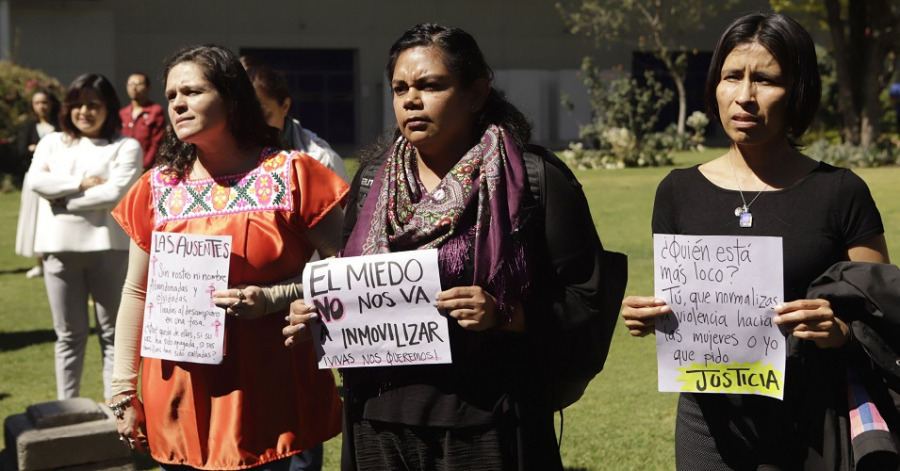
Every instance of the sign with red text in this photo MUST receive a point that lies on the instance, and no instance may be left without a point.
(377, 310)
(181, 322)
(719, 336)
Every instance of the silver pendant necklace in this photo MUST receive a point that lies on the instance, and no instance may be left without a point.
(743, 212)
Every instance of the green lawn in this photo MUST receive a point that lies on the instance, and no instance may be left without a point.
(622, 423)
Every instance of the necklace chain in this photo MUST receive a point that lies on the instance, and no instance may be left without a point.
(746, 206)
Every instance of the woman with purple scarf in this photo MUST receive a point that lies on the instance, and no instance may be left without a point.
(452, 177)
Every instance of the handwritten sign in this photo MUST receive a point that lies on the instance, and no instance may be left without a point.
(719, 337)
(181, 322)
(376, 310)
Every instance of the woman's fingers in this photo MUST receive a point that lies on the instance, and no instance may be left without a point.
(299, 318)
(814, 320)
(640, 313)
(471, 306)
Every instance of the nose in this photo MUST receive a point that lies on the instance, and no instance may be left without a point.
(178, 103)
(412, 99)
(746, 92)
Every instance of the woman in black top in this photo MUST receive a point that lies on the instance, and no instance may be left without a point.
(453, 177)
(44, 119)
(763, 86)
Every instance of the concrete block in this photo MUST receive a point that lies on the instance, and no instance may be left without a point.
(65, 412)
(90, 444)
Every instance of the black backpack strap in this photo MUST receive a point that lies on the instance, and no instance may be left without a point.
(367, 176)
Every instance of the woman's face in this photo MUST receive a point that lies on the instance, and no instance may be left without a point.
(198, 113)
(275, 112)
(752, 96)
(88, 114)
(433, 112)
(40, 103)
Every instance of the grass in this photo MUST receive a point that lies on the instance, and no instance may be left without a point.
(622, 423)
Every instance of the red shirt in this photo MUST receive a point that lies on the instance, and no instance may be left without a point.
(148, 129)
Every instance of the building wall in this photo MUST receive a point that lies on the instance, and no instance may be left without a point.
(524, 41)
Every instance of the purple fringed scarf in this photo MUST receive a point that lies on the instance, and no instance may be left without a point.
(400, 215)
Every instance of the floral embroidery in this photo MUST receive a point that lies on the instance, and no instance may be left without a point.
(265, 188)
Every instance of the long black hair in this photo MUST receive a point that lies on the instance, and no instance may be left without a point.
(792, 47)
(246, 122)
(464, 59)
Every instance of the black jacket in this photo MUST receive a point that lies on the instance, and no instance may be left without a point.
(867, 298)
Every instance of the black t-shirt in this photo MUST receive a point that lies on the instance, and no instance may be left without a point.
(818, 218)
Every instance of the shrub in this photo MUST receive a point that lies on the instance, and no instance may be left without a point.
(16, 86)
(622, 130)
(885, 151)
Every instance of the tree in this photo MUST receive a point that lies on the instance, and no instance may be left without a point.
(613, 21)
(864, 38)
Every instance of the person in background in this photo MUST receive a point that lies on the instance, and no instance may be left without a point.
(453, 177)
(763, 87)
(44, 120)
(264, 404)
(142, 119)
(275, 98)
(80, 174)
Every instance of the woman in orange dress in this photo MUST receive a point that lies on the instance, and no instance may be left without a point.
(221, 175)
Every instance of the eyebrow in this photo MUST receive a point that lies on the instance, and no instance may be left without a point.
(423, 78)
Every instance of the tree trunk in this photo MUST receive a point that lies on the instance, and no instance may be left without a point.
(682, 100)
(878, 39)
(844, 68)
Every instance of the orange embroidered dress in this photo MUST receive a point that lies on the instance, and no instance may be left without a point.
(264, 401)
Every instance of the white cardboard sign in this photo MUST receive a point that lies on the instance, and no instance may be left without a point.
(181, 322)
(376, 310)
(719, 337)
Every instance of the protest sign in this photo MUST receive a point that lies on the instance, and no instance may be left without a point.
(376, 310)
(181, 322)
(719, 337)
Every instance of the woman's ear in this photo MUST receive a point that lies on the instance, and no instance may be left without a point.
(478, 94)
(286, 105)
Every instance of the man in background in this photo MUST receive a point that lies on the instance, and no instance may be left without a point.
(142, 119)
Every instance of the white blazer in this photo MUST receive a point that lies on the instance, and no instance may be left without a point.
(84, 223)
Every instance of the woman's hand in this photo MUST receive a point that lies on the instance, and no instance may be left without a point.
(90, 182)
(243, 301)
(640, 313)
(299, 320)
(132, 423)
(471, 306)
(813, 319)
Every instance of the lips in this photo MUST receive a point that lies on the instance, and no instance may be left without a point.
(415, 122)
(744, 120)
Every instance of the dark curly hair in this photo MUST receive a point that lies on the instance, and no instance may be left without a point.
(107, 94)
(246, 122)
(464, 59)
(795, 52)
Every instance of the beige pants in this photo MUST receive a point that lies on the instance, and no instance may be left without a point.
(71, 277)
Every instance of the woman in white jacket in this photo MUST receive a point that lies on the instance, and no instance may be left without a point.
(80, 174)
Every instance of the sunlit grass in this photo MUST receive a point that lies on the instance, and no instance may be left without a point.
(622, 423)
